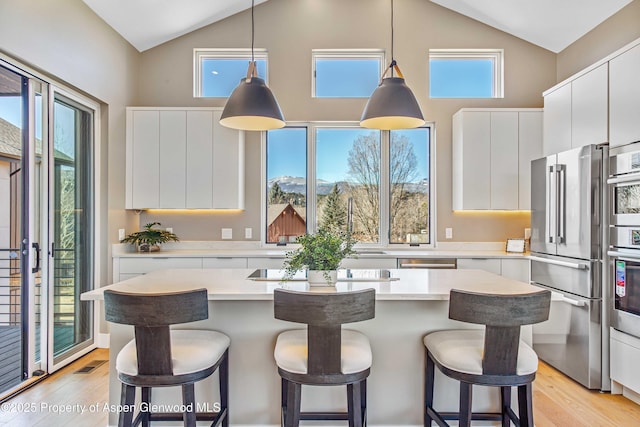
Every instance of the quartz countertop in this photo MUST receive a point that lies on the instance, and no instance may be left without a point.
(403, 284)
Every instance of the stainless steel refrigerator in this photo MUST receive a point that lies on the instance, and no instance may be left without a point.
(568, 228)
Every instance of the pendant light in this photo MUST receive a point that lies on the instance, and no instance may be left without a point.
(251, 105)
(392, 104)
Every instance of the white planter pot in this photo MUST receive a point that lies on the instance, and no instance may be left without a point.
(322, 277)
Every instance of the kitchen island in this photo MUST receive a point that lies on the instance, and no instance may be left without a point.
(409, 303)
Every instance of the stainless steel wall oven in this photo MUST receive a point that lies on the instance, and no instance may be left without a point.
(624, 237)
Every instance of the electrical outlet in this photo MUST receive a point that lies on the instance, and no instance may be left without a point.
(121, 233)
(527, 233)
(448, 233)
(227, 233)
(170, 229)
(248, 233)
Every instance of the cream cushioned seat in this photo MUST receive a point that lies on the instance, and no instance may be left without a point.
(291, 351)
(191, 351)
(461, 350)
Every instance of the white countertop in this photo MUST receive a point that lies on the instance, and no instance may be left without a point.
(233, 284)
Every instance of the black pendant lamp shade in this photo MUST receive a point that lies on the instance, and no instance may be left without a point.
(251, 105)
(392, 104)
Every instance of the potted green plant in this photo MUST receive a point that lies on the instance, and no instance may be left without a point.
(321, 253)
(149, 238)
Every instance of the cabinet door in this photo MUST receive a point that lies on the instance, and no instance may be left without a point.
(504, 160)
(269, 262)
(372, 263)
(491, 265)
(224, 262)
(228, 166)
(529, 148)
(173, 161)
(472, 160)
(516, 269)
(199, 160)
(624, 98)
(142, 265)
(589, 104)
(144, 170)
(557, 120)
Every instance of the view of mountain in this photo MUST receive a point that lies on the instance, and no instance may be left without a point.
(296, 184)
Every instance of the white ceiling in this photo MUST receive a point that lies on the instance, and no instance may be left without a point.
(551, 24)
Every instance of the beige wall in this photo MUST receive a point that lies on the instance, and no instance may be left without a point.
(69, 43)
(289, 29)
(614, 33)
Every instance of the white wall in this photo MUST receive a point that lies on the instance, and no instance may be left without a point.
(68, 42)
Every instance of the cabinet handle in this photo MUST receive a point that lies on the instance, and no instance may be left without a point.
(577, 266)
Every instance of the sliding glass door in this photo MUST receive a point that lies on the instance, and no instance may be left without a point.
(47, 138)
(72, 235)
(21, 149)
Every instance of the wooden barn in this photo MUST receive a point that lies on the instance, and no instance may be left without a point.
(285, 221)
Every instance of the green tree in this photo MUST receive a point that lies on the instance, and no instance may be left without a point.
(276, 195)
(334, 214)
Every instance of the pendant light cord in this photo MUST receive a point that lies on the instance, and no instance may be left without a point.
(253, 29)
(393, 60)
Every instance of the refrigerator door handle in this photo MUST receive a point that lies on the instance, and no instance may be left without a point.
(562, 202)
(576, 265)
(552, 215)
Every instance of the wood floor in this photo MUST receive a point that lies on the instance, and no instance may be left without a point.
(558, 401)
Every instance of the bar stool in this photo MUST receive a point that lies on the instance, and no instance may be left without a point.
(324, 354)
(493, 357)
(162, 357)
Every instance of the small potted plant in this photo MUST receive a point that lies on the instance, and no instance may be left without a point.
(321, 253)
(149, 238)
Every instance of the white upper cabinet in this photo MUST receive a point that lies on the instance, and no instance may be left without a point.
(181, 158)
(624, 97)
(589, 101)
(557, 120)
(492, 152)
(575, 114)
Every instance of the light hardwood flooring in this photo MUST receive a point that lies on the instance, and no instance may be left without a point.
(557, 400)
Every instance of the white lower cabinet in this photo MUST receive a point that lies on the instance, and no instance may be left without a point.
(271, 262)
(625, 353)
(492, 265)
(372, 263)
(135, 266)
(224, 262)
(513, 268)
(516, 269)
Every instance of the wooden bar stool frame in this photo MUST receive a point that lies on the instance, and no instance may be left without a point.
(324, 314)
(151, 315)
(502, 315)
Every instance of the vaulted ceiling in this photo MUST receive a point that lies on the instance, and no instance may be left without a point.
(551, 24)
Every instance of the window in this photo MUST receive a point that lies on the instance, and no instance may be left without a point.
(476, 73)
(346, 73)
(218, 71)
(376, 184)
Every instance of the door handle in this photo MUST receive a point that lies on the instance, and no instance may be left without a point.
(573, 302)
(576, 265)
(562, 203)
(36, 246)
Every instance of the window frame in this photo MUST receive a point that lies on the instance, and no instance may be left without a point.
(384, 188)
(344, 54)
(495, 55)
(200, 54)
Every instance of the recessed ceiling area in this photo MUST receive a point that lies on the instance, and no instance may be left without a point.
(551, 24)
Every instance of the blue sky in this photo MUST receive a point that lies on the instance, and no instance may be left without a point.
(221, 76)
(286, 151)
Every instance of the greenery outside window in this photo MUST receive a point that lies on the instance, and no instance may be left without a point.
(375, 184)
(346, 73)
(216, 72)
(466, 73)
